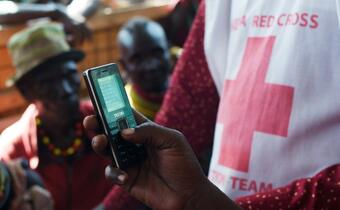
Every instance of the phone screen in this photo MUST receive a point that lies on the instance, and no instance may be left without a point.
(111, 94)
(111, 103)
(112, 97)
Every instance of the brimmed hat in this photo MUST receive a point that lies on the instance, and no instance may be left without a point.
(40, 44)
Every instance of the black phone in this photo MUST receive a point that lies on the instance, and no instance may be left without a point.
(108, 96)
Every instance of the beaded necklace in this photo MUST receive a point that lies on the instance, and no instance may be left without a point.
(58, 151)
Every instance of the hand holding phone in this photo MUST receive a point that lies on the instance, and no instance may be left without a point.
(113, 109)
(170, 177)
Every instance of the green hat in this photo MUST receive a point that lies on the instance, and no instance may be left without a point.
(33, 47)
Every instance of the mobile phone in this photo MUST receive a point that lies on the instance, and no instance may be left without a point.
(113, 110)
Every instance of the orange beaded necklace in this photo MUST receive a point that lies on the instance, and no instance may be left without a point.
(58, 151)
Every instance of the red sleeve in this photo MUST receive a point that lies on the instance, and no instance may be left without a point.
(191, 102)
(319, 192)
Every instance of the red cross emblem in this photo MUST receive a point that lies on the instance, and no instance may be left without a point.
(249, 104)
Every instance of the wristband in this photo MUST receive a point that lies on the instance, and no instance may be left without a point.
(5, 185)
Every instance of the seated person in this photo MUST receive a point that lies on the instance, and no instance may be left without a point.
(50, 134)
(72, 15)
(145, 58)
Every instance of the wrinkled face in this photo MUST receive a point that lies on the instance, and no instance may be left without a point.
(56, 91)
(146, 59)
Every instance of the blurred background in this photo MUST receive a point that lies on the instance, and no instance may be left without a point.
(104, 22)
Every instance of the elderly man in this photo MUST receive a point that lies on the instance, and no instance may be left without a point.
(49, 133)
(146, 60)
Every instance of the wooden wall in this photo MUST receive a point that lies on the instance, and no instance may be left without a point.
(11, 103)
(100, 50)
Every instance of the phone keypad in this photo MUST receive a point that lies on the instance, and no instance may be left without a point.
(128, 153)
(122, 124)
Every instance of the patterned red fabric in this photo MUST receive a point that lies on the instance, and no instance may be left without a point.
(319, 192)
(191, 106)
(191, 102)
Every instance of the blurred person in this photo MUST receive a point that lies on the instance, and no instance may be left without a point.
(242, 86)
(72, 14)
(146, 60)
(268, 86)
(21, 188)
(49, 133)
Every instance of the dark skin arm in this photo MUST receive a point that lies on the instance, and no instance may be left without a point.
(170, 178)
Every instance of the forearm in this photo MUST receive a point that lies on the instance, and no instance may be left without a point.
(210, 197)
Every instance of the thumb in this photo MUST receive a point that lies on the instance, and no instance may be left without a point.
(153, 135)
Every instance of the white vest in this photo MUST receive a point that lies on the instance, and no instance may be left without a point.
(276, 65)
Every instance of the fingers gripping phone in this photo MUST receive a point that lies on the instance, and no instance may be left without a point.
(113, 110)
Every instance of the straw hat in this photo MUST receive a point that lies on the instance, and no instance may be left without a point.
(33, 47)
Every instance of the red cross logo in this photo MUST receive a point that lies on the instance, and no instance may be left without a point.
(249, 104)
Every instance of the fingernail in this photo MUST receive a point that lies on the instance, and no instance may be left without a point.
(128, 131)
(121, 178)
(94, 142)
(109, 173)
